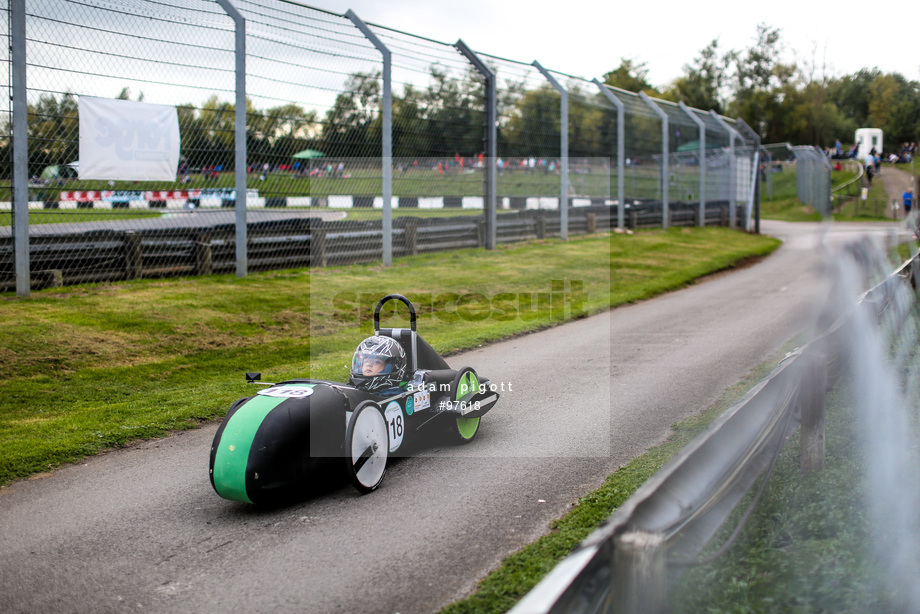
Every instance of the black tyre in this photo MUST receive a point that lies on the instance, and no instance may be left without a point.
(367, 445)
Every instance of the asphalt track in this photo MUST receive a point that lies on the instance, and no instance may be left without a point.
(141, 529)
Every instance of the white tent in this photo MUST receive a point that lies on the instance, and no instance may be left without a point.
(867, 138)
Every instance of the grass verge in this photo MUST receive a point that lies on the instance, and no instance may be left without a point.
(785, 205)
(95, 367)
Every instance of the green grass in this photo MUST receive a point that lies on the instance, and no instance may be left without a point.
(847, 204)
(850, 206)
(89, 368)
(76, 216)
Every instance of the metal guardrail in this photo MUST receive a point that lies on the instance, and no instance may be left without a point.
(860, 171)
(101, 252)
(626, 564)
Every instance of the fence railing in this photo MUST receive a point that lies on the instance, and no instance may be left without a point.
(87, 253)
(627, 564)
(813, 179)
(285, 106)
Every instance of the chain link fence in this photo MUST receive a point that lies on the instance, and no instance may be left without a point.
(309, 138)
(813, 178)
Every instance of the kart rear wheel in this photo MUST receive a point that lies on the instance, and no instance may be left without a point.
(463, 389)
(367, 445)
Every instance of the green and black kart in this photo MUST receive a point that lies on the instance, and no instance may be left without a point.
(272, 445)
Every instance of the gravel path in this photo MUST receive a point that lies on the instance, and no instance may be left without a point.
(896, 181)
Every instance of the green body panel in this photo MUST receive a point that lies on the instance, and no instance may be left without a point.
(232, 454)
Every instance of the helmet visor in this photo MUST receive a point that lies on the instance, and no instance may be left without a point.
(369, 365)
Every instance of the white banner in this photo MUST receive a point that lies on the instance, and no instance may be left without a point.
(126, 140)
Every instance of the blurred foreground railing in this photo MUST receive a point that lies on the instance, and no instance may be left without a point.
(628, 563)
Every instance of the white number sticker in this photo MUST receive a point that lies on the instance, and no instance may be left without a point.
(422, 400)
(395, 424)
(287, 392)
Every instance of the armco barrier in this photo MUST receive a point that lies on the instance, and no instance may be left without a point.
(98, 252)
(625, 566)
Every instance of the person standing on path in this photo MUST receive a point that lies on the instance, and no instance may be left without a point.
(908, 200)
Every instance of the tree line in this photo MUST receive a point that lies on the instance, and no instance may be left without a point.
(785, 101)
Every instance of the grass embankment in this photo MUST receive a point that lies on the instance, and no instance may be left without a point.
(89, 368)
(847, 204)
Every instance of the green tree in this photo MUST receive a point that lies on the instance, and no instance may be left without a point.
(703, 83)
(453, 110)
(53, 131)
(761, 80)
(589, 124)
(533, 128)
(630, 76)
(870, 98)
(346, 127)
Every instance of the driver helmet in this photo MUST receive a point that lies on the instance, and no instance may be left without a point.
(378, 363)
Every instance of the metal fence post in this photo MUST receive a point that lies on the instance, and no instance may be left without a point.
(702, 128)
(813, 411)
(387, 136)
(826, 185)
(563, 150)
(665, 172)
(242, 253)
(491, 138)
(732, 170)
(621, 149)
(639, 576)
(20, 150)
(768, 167)
(756, 172)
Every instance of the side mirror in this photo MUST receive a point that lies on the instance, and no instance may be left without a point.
(251, 378)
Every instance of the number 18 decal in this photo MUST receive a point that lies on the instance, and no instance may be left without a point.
(395, 424)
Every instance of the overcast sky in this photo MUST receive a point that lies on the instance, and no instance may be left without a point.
(588, 38)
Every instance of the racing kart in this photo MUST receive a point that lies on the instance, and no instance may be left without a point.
(274, 443)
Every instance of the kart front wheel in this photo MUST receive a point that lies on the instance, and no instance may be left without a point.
(367, 445)
(464, 388)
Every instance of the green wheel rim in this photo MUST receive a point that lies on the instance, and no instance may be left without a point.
(469, 384)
